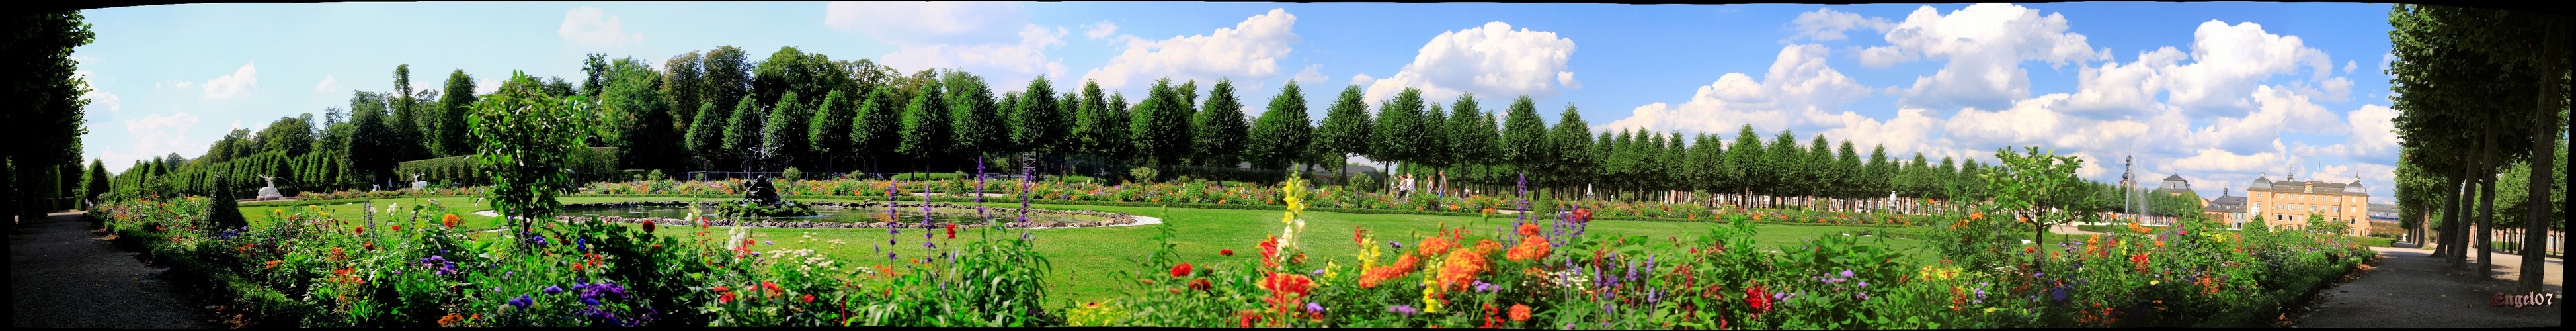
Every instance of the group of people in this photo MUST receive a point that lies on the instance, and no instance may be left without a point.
(1405, 183)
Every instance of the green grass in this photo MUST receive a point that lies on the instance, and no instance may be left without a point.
(1085, 259)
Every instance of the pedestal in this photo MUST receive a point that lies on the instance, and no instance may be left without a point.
(266, 193)
(419, 185)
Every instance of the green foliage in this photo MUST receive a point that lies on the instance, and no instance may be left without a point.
(1141, 174)
(1219, 127)
(1282, 135)
(1347, 128)
(980, 127)
(828, 131)
(528, 138)
(783, 133)
(925, 126)
(1571, 143)
(1161, 128)
(1037, 122)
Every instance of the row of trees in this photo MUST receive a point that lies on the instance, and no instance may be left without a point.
(2477, 91)
(831, 114)
(44, 112)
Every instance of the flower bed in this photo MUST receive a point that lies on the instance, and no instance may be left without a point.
(408, 270)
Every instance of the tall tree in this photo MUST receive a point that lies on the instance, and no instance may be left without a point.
(1038, 124)
(1161, 127)
(783, 133)
(1347, 128)
(447, 136)
(1435, 151)
(979, 128)
(728, 74)
(1524, 137)
(684, 81)
(705, 138)
(828, 132)
(1471, 134)
(742, 132)
(1877, 174)
(1745, 164)
(1572, 139)
(1220, 127)
(2463, 76)
(1102, 130)
(1708, 164)
(46, 112)
(879, 126)
(1398, 131)
(1788, 164)
(925, 130)
(1280, 136)
(595, 74)
(1847, 174)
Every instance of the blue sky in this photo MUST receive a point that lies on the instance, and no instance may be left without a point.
(2216, 92)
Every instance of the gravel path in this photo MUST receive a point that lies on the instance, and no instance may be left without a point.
(62, 275)
(2410, 288)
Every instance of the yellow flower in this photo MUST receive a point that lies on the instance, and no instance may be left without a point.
(2153, 282)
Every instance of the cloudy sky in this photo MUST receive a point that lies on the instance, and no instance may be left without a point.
(2216, 92)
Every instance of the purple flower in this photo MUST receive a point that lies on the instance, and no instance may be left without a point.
(1403, 309)
(1314, 308)
(1847, 273)
(551, 289)
(523, 301)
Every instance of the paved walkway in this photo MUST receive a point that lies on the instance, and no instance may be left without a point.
(62, 275)
(2410, 288)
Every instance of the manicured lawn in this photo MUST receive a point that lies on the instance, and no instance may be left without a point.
(1086, 259)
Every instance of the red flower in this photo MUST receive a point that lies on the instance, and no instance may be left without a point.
(1201, 285)
(952, 231)
(1761, 301)
(397, 227)
(1225, 252)
(1182, 270)
(809, 298)
(648, 226)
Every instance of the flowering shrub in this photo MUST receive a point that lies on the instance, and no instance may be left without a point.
(1552, 276)
(405, 266)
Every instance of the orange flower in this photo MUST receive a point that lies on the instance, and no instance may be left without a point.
(1403, 266)
(1460, 269)
(450, 221)
(1529, 229)
(1520, 313)
(451, 319)
(1435, 246)
(1531, 248)
(272, 264)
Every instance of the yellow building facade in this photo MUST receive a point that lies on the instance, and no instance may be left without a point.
(2287, 204)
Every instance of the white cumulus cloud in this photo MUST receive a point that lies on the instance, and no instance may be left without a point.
(1828, 25)
(999, 62)
(329, 84)
(913, 23)
(1312, 76)
(2228, 61)
(1250, 49)
(590, 26)
(236, 85)
(1983, 46)
(1491, 60)
(1799, 91)
(156, 135)
(1102, 29)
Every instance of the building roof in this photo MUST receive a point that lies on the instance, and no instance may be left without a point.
(2174, 177)
(2319, 187)
(2226, 204)
(2383, 207)
(2355, 188)
(2260, 183)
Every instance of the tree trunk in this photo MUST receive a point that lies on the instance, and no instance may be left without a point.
(2457, 225)
(2486, 212)
(2543, 147)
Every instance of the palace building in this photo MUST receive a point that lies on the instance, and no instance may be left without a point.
(2226, 209)
(2287, 204)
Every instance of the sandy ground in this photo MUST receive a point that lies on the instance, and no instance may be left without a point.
(62, 275)
(2410, 288)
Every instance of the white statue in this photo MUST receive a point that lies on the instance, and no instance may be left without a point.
(269, 192)
(418, 184)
